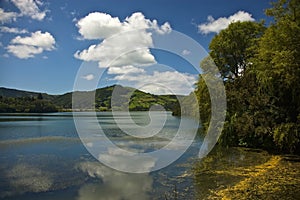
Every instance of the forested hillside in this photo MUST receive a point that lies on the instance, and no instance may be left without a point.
(12, 100)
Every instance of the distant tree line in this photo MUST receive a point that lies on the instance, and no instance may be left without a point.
(26, 104)
(37, 102)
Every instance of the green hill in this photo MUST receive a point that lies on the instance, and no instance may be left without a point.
(12, 100)
(14, 93)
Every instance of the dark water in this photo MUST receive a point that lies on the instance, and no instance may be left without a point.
(42, 157)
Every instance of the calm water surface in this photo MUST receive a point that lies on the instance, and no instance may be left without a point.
(42, 157)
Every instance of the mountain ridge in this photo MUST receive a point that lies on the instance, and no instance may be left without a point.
(14, 100)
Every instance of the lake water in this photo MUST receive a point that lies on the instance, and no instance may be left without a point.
(42, 157)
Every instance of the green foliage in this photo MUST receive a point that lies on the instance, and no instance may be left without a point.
(204, 103)
(278, 65)
(287, 136)
(261, 72)
(25, 104)
(141, 101)
(232, 48)
(278, 74)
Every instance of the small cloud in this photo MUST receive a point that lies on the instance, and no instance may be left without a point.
(185, 52)
(45, 57)
(98, 25)
(210, 18)
(79, 38)
(7, 16)
(73, 13)
(6, 29)
(125, 70)
(24, 51)
(88, 77)
(27, 47)
(215, 26)
(30, 8)
(39, 39)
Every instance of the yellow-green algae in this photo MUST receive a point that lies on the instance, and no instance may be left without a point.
(240, 173)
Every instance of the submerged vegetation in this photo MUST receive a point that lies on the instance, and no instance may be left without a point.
(241, 173)
(260, 67)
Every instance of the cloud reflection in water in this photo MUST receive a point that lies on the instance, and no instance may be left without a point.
(114, 184)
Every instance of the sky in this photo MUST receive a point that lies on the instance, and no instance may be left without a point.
(57, 46)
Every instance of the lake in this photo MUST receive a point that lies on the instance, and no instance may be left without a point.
(42, 157)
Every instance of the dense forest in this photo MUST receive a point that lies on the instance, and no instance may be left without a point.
(31, 102)
(260, 66)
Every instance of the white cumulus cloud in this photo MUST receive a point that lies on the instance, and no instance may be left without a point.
(27, 47)
(43, 40)
(101, 25)
(7, 16)
(24, 51)
(122, 43)
(129, 69)
(167, 82)
(113, 56)
(216, 25)
(30, 8)
(6, 29)
(98, 25)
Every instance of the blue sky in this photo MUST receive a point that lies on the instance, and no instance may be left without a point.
(39, 41)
